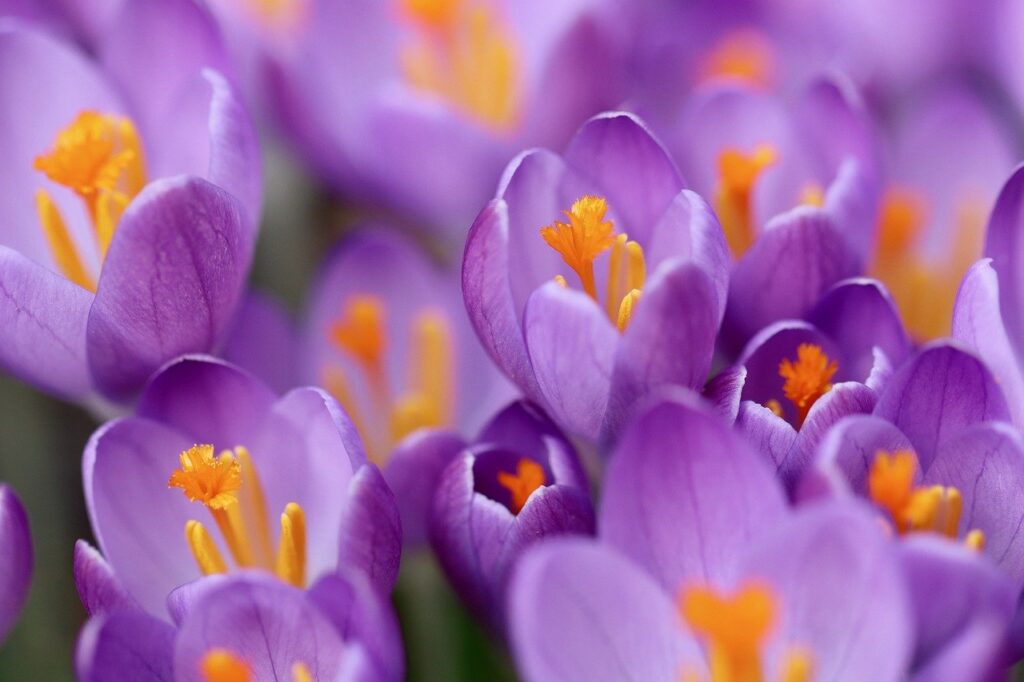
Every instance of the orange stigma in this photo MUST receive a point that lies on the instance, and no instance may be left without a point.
(214, 481)
(99, 158)
(916, 508)
(807, 379)
(587, 235)
(464, 53)
(738, 174)
(744, 55)
(528, 477)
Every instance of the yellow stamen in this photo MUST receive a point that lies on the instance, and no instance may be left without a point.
(812, 195)
(560, 281)
(528, 477)
(206, 554)
(336, 384)
(98, 157)
(636, 270)
(586, 236)
(429, 401)
(738, 173)
(220, 665)
(628, 305)
(465, 54)
(300, 673)
(614, 293)
(255, 504)
(797, 667)
(975, 540)
(733, 626)
(774, 406)
(743, 55)
(291, 553)
(807, 379)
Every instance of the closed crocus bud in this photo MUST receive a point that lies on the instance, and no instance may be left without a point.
(519, 482)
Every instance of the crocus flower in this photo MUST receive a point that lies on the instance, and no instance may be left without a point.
(681, 586)
(388, 336)
(249, 627)
(417, 105)
(518, 482)
(131, 200)
(15, 560)
(796, 378)
(588, 272)
(167, 509)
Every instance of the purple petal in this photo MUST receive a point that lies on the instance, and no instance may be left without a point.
(724, 391)
(937, 393)
(986, 463)
(680, 308)
(42, 340)
(798, 257)
(269, 625)
(572, 345)
(262, 340)
(663, 490)
(16, 560)
(846, 453)
(98, 587)
(412, 473)
(978, 322)
(771, 436)
(581, 612)
(208, 400)
(371, 529)
(1003, 244)
(979, 653)
(632, 169)
(172, 277)
(125, 645)
(841, 593)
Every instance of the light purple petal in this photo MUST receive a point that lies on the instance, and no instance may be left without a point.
(662, 503)
(978, 322)
(938, 392)
(724, 390)
(771, 436)
(581, 612)
(42, 339)
(98, 587)
(262, 340)
(172, 277)
(1003, 244)
(125, 645)
(572, 345)
(845, 455)
(371, 529)
(16, 560)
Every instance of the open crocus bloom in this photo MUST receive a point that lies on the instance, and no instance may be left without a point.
(798, 377)
(388, 337)
(416, 104)
(16, 560)
(290, 491)
(794, 185)
(132, 200)
(745, 591)
(589, 271)
(249, 627)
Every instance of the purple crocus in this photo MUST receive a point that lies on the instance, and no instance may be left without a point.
(518, 482)
(131, 202)
(589, 271)
(416, 106)
(388, 336)
(166, 509)
(682, 585)
(250, 626)
(16, 559)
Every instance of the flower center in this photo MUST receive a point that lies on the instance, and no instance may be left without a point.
(916, 508)
(807, 379)
(585, 237)
(528, 477)
(734, 628)
(99, 158)
(738, 172)
(229, 487)
(924, 289)
(360, 333)
(743, 55)
(220, 665)
(463, 52)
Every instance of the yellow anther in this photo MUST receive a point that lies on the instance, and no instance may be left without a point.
(975, 540)
(205, 552)
(337, 385)
(586, 236)
(560, 281)
(774, 406)
(935, 508)
(812, 195)
(636, 270)
(738, 173)
(300, 673)
(807, 379)
(528, 477)
(255, 507)
(797, 666)
(291, 552)
(220, 665)
(214, 481)
(743, 55)
(615, 266)
(733, 626)
(65, 254)
(626, 308)
(464, 54)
